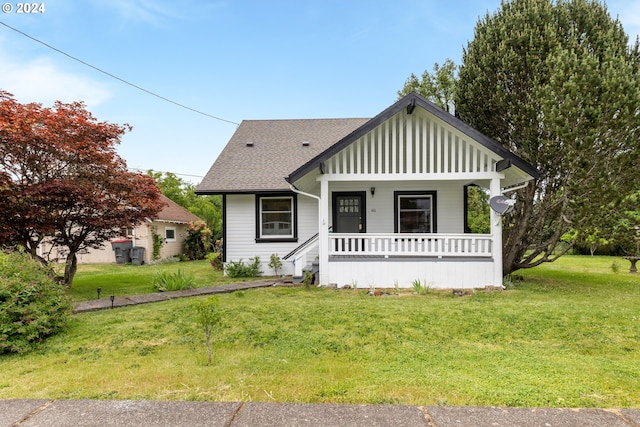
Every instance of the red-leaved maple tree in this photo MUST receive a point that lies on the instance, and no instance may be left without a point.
(61, 179)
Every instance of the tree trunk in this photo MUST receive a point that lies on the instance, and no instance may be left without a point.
(514, 235)
(208, 338)
(70, 268)
(535, 236)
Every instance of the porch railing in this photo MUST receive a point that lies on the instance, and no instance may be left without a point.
(409, 244)
(298, 256)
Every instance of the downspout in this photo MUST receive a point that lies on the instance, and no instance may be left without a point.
(297, 191)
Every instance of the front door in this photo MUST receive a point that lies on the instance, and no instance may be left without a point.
(349, 212)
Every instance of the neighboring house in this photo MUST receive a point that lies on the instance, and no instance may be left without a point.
(171, 224)
(377, 202)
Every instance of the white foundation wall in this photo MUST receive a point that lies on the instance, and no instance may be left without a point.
(241, 232)
(445, 273)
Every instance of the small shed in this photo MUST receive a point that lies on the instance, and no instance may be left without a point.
(171, 224)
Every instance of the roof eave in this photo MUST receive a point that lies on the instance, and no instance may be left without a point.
(244, 191)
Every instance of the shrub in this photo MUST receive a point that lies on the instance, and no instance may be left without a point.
(165, 281)
(235, 269)
(33, 306)
(308, 279)
(158, 242)
(215, 258)
(275, 263)
(198, 240)
(615, 267)
(419, 288)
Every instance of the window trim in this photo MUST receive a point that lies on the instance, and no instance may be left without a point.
(175, 234)
(294, 218)
(419, 193)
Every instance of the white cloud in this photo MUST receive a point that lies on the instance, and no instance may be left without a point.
(157, 14)
(147, 11)
(40, 80)
(138, 10)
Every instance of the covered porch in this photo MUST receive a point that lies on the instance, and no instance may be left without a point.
(370, 248)
(391, 201)
(389, 260)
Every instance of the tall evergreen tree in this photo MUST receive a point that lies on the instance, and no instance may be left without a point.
(558, 84)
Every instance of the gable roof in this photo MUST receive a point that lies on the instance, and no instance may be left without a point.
(409, 102)
(173, 212)
(261, 153)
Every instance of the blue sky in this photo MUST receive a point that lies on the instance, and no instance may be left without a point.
(234, 59)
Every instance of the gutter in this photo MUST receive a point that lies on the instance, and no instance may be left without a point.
(295, 190)
(517, 187)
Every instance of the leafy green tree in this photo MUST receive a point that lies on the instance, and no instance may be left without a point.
(626, 231)
(438, 87)
(478, 210)
(558, 84)
(594, 238)
(171, 186)
(209, 208)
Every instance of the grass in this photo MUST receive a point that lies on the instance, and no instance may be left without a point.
(123, 280)
(567, 335)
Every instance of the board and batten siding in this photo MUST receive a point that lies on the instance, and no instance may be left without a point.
(241, 232)
(417, 144)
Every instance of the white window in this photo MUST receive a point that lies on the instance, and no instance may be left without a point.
(170, 234)
(276, 218)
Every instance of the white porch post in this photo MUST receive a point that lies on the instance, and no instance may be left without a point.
(323, 230)
(496, 232)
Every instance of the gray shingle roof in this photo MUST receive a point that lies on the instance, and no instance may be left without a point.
(277, 150)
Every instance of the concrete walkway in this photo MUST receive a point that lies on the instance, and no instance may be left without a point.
(105, 302)
(81, 413)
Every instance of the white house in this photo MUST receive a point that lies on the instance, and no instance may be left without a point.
(376, 202)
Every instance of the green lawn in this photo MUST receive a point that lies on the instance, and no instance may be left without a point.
(128, 279)
(568, 335)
